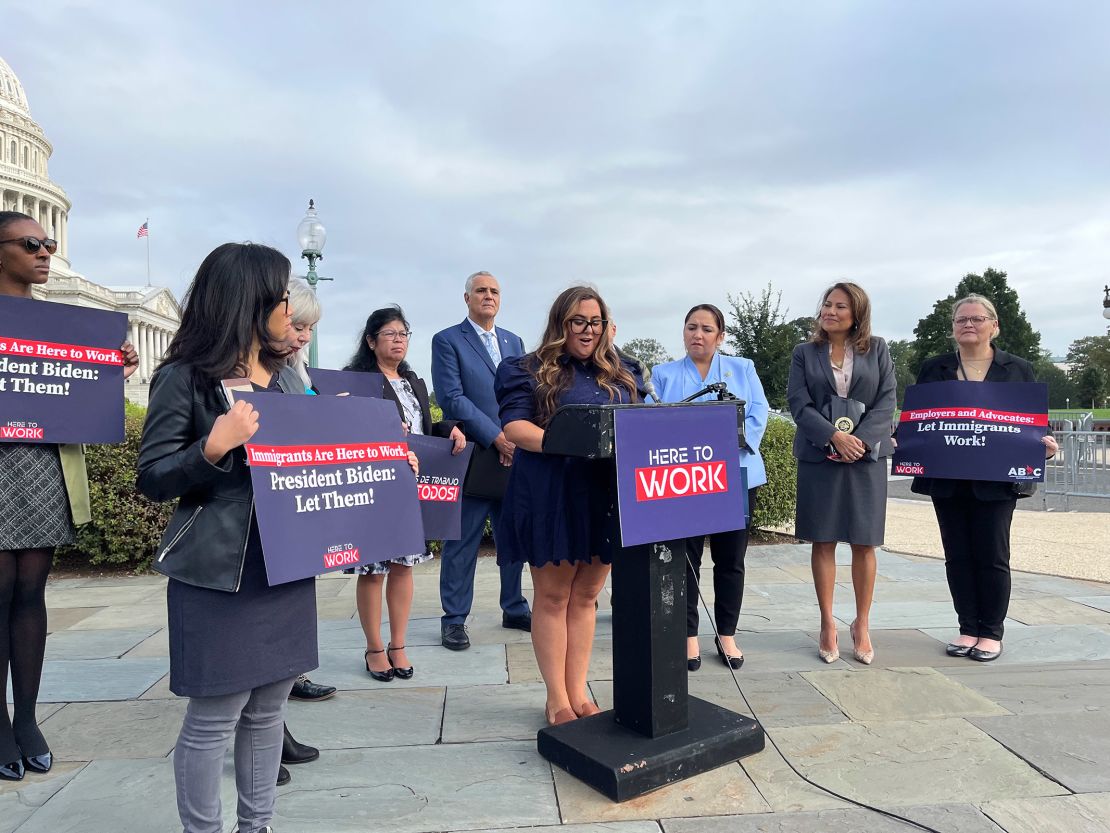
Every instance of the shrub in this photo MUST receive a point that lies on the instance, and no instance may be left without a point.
(126, 527)
(776, 502)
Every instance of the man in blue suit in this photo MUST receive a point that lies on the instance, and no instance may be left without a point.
(464, 361)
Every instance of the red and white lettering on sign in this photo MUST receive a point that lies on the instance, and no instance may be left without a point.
(982, 414)
(430, 491)
(21, 432)
(346, 453)
(684, 480)
(64, 352)
(343, 558)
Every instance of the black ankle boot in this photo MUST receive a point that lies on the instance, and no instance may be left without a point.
(293, 752)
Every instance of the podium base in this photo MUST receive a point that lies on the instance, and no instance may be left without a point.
(623, 764)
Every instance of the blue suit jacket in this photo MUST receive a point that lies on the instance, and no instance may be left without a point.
(674, 381)
(462, 377)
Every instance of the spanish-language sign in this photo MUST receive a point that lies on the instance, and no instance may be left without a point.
(353, 382)
(61, 373)
(439, 485)
(332, 484)
(980, 431)
(678, 471)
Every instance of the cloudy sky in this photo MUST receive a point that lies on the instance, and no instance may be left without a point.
(670, 153)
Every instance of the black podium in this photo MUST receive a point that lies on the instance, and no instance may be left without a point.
(656, 733)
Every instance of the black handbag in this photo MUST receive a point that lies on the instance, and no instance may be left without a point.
(485, 476)
(845, 415)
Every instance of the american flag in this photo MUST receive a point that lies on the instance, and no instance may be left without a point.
(143, 231)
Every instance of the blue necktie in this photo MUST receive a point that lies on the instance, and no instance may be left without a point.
(491, 347)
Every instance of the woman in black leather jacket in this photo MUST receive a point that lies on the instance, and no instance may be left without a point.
(236, 644)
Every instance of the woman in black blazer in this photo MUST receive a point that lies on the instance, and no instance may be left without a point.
(383, 346)
(842, 470)
(975, 515)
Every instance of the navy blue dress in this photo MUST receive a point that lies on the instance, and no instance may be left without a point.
(556, 508)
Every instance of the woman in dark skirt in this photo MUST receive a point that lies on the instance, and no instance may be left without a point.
(44, 494)
(842, 469)
(558, 512)
(236, 644)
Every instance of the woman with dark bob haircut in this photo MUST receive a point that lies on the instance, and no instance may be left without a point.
(44, 495)
(382, 348)
(236, 644)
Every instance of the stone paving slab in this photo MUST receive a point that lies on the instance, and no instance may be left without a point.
(1039, 689)
(95, 644)
(19, 799)
(357, 719)
(523, 668)
(1052, 610)
(1056, 585)
(906, 570)
(159, 691)
(783, 595)
(792, 650)
(151, 616)
(911, 762)
(777, 698)
(777, 617)
(435, 666)
(900, 694)
(420, 789)
(899, 648)
(123, 595)
(1044, 643)
(900, 615)
(157, 645)
(61, 618)
(843, 573)
(88, 680)
(1064, 814)
(131, 729)
(781, 787)
(1072, 748)
(756, 574)
(494, 713)
(951, 818)
(727, 789)
(1098, 602)
(601, 827)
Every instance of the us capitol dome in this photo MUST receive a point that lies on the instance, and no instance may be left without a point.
(153, 313)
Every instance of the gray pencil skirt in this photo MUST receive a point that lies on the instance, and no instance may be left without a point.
(842, 502)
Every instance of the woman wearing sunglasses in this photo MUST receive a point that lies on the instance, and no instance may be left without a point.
(975, 515)
(382, 348)
(44, 493)
(558, 513)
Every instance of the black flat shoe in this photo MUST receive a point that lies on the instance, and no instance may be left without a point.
(39, 763)
(380, 676)
(519, 621)
(12, 772)
(402, 673)
(984, 656)
(283, 776)
(954, 650)
(693, 663)
(306, 690)
(295, 752)
(732, 662)
(454, 638)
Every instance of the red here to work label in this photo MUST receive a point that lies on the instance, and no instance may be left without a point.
(682, 480)
(346, 453)
(63, 352)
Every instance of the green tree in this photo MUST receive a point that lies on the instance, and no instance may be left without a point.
(1092, 351)
(1060, 387)
(901, 353)
(1090, 385)
(933, 333)
(760, 331)
(647, 350)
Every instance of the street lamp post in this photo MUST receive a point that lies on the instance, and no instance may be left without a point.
(1106, 302)
(312, 235)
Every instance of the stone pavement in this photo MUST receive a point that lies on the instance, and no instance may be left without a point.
(1020, 745)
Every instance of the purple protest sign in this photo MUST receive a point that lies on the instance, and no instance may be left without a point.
(439, 485)
(981, 431)
(678, 472)
(354, 382)
(61, 373)
(332, 484)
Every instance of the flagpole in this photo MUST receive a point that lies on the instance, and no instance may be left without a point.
(147, 251)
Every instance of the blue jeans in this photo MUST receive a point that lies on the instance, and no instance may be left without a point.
(256, 718)
(456, 570)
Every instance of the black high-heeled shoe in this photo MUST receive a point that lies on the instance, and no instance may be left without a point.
(380, 676)
(402, 673)
(693, 663)
(39, 763)
(12, 771)
(732, 662)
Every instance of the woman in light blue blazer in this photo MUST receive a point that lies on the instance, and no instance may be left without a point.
(703, 334)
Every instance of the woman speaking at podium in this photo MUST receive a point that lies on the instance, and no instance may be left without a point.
(558, 513)
(703, 334)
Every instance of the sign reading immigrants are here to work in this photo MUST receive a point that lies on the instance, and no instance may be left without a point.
(678, 471)
(332, 484)
(61, 373)
(973, 431)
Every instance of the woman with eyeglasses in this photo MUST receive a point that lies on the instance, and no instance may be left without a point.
(44, 495)
(559, 513)
(236, 643)
(382, 348)
(975, 515)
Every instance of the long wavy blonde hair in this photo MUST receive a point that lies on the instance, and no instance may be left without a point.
(554, 375)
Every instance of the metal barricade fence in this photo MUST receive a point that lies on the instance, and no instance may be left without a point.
(1082, 467)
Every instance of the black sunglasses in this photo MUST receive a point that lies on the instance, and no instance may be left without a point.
(33, 244)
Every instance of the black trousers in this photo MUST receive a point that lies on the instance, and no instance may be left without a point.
(727, 550)
(976, 538)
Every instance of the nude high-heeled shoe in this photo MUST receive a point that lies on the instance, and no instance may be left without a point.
(864, 657)
(829, 656)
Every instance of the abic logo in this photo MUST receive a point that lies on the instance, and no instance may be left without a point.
(1025, 471)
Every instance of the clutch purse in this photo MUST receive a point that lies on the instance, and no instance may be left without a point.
(845, 415)
(486, 477)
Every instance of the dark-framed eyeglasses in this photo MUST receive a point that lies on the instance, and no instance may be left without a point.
(393, 335)
(579, 325)
(33, 244)
(977, 320)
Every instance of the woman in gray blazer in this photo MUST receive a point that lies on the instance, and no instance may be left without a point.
(842, 470)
